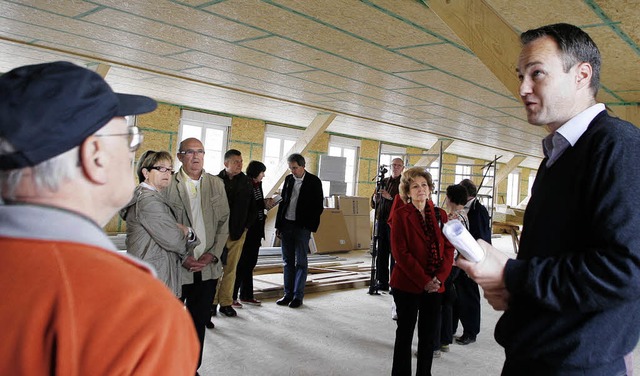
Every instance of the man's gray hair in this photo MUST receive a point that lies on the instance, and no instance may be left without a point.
(48, 175)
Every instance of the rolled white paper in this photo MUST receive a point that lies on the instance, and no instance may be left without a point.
(460, 237)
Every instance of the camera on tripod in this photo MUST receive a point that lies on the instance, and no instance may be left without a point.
(382, 170)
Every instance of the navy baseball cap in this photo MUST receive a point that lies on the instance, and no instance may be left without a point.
(48, 109)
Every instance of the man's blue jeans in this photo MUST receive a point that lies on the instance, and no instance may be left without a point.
(295, 246)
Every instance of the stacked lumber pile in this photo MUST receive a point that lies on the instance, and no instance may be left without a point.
(326, 272)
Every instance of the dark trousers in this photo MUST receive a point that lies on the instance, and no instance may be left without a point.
(248, 261)
(467, 306)
(424, 308)
(198, 298)
(444, 331)
(295, 247)
(384, 259)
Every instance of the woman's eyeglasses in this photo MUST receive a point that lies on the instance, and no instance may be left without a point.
(161, 168)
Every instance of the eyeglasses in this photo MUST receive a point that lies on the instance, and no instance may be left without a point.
(135, 137)
(191, 152)
(161, 168)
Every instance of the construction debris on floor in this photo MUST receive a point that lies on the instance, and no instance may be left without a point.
(326, 272)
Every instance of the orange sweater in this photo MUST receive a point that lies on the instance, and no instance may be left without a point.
(75, 309)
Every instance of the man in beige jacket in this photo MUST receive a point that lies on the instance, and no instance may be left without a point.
(199, 201)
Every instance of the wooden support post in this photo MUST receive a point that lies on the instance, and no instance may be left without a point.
(481, 28)
(100, 68)
(504, 171)
(310, 135)
(428, 159)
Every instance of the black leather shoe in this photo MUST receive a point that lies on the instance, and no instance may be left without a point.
(464, 340)
(295, 303)
(210, 325)
(285, 300)
(228, 311)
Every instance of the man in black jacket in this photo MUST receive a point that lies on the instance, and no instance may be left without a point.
(384, 199)
(240, 196)
(571, 298)
(298, 216)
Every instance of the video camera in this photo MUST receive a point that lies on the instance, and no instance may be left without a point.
(382, 170)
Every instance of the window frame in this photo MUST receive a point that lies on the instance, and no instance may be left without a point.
(214, 159)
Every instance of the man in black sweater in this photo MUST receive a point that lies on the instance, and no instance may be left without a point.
(571, 297)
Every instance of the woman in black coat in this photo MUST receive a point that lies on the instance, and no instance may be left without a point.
(255, 234)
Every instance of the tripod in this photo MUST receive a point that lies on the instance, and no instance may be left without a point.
(373, 286)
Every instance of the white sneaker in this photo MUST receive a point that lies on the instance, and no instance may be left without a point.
(394, 314)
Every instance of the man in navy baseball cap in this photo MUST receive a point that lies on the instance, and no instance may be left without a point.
(66, 155)
(47, 109)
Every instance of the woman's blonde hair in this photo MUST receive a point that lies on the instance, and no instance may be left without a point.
(148, 159)
(409, 176)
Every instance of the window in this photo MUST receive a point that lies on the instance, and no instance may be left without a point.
(212, 131)
(463, 169)
(347, 148)
(434, 170)
(277, 145)
(488, 172)
(513, 189)
(389, 153)
(532, 179)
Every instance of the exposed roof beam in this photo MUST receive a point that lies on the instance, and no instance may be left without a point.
(504, 171)
(494, 41)
(308, 137)
(428, 159)
(100, 68)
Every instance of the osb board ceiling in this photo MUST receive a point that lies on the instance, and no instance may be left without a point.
(391, 69)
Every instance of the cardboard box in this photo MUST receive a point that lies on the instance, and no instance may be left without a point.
(359, 229)
(332, 234)
(352, 205)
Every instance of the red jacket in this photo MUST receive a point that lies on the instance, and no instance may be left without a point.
(410, 250)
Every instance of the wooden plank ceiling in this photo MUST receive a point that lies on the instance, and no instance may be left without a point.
(390, 69)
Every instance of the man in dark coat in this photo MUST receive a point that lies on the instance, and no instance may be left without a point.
(467, 306)
(384, 199)
(298, 216)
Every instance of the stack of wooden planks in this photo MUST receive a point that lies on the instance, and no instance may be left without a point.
(326, 272)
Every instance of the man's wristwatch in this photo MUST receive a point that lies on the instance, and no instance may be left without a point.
(191, 236)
